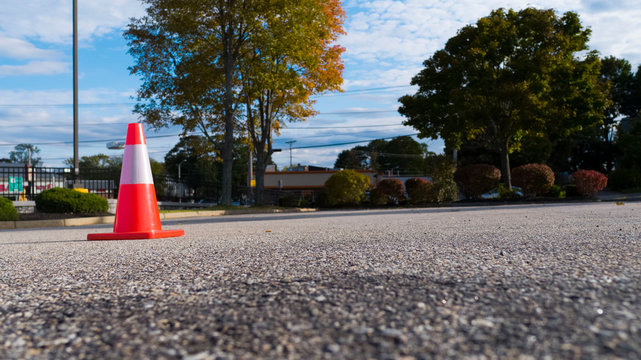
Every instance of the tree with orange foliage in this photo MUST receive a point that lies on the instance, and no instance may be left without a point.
(291, 56)
(202, 61)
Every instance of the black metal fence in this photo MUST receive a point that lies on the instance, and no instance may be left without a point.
(18, 182)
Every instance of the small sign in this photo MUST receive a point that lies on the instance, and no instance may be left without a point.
(15, 183)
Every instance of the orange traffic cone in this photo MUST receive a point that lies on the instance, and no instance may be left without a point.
(137, 214)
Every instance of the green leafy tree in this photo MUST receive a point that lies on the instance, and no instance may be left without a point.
(510, 75)
(98, 161)
(593, 147)
(200, 166)
(193, 161)
(402, 155)
(188, 56)
(25, 154)
(628, 141)
(355, 158)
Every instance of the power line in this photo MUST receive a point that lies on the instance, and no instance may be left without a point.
(337, 93)
(350, 143)
(64, 126)
(284, 128)
(357, 112)
(363, 91)
(93, 141)
(339, 127)
(66, 105)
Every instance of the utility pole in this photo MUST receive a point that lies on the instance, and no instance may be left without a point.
(76, 167)
(290, 142)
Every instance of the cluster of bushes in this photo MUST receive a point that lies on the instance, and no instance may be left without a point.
(348, 187)
(532, 180)
(69, 201)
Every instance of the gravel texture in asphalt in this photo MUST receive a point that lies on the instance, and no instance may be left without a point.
(521, 281)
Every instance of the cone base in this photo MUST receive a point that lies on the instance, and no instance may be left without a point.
(151, 234)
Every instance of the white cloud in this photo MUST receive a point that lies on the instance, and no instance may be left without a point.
(35, 68)
(51, 21)
(64, 97)
(20, 49)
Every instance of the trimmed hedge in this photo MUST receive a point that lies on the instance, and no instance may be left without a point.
(69, 201)
(7, 210)
(477, 179)
(418, 190)
(589, 182)
(533, 179)
(346, 187)
(388, 191)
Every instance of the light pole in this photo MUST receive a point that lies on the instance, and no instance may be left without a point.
(76, 168)
(290, 142)
(180, 185)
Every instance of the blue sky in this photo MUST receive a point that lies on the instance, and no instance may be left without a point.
(386, 43)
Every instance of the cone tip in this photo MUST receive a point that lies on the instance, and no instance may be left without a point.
(135, 134)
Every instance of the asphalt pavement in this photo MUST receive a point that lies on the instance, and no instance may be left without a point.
(510, 282)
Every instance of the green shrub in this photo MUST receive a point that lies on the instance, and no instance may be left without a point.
(7, 210)
(443, 191)
(477, 179)
(624, 179)
(346, 187)
(388, 191)
(60, 200)
(418, 190)
(556, 192)
(533, 179)
(507, 194)
(589, 182)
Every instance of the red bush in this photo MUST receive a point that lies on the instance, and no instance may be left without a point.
(475, 180)
(418, 190)
(388, 191)
(533, 179)
(589, 182)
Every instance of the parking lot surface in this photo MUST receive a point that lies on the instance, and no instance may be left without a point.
(518, 281)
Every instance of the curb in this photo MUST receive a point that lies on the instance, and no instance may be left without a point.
(99, 220)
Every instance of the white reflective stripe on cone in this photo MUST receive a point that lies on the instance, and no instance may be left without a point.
(135, 166)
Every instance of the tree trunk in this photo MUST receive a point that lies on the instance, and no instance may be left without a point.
(260, 178)
(228, 145)
(505, 167)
